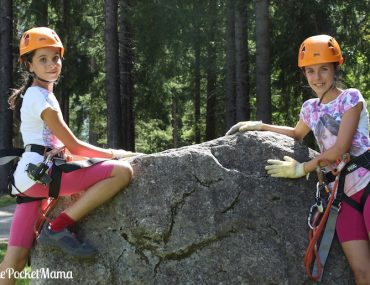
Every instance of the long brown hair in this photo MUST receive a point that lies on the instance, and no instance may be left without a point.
(16, 98)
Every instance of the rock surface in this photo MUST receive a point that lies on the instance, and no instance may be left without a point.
(202, 214)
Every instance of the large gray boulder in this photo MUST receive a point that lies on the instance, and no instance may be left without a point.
(202, 214)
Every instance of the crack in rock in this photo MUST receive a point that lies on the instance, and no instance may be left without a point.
(139, 249)
(190, 250)
(174, 210)
(208, 183)
(232, 204)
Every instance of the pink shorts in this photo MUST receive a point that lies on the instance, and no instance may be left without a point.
(351, 224)
(22, 229)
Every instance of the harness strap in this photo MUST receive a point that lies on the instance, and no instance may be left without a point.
(56, 179)
(9, 154)
(40, 149)
(75, 165)
(365, 195)
(358, 206)
(325, 243)
(360, 161)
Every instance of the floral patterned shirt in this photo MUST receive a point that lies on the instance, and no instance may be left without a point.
(324, 120)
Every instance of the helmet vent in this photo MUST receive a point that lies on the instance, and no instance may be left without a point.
(303, 50)
(332, 47)
(26, 39)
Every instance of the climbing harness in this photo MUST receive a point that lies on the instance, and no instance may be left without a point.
(355, 163)
(41, 174)
(323, 214)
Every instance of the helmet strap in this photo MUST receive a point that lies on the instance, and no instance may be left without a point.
(44, 80)
(331, 87)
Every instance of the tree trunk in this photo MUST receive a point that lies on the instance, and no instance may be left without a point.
(263, 84)
(211, 74)
(6, 67)
(40, 11)
(230, 115)
(241, 62)
(175, 120)
(197, 82)
(126, 88)
(112, 75)
(64, 90)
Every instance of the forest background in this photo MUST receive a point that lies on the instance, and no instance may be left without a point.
(157, 74)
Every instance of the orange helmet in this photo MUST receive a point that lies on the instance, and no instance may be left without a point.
(39, 37)
(319, 49)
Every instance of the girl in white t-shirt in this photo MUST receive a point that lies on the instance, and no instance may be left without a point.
(339, 120)
(42, 126)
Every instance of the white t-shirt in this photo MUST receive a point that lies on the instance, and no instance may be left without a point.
(34, 131)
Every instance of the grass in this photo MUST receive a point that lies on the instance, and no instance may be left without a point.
(6, 200)
(2, 250)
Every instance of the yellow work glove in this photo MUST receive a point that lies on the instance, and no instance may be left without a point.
(121, 153)
(287, 168)
(245, 126)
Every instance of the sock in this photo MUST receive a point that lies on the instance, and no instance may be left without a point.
(61, 222)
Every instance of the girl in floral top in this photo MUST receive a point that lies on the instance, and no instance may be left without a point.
(339, 120)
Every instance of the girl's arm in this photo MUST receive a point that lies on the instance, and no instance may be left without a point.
(59, 128)
(298, 132)
(347, 130)
(290, 168)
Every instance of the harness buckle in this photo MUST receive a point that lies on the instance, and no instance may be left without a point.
(39, 172)
(345, 158)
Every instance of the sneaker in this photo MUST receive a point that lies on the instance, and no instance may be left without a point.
(67, 242)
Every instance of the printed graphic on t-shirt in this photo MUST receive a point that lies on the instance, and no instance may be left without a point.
(326, 132)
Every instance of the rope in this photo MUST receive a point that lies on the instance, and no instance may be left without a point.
(316, 231)
(314, 235)
(43, 215)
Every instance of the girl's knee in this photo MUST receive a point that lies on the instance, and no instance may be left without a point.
(123, 171)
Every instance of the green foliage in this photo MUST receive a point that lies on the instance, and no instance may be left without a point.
(156, 136)
(6, 200)
(2, 250)
(165, 33)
